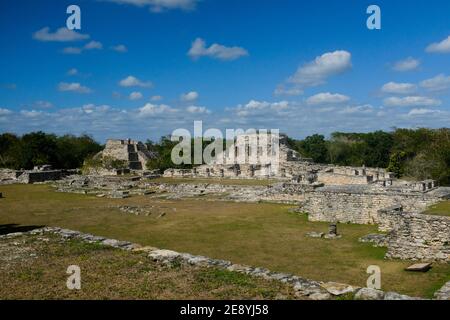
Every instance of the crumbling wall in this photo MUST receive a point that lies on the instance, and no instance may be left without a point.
(331, 178)
(359, 206)
(416, 236)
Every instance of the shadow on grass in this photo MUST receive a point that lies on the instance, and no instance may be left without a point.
(13, 227)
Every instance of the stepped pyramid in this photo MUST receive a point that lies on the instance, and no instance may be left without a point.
(135, 153)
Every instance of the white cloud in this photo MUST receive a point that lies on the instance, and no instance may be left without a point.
(132, 81)
(60, 35)
(407, 64)
(72, 50)
(439, 83)
(317, 72)
(327, 98)
(93, 45)
(398, 88)
(160, 5)
(74, 87)
(362, 109)
(156, 98)
(72, 72)
(411, 101)
(120, 48)
(255, 108)
(422, 111)
(198, 49)
(190, 96)
(440, 47)
(136, 95)
(196, 109)
(4, 112)
(31, 113)
(152, 109)
(42, 104)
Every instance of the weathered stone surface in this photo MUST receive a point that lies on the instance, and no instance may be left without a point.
(419, 267)
(444, 292)
(320, 296)
(338, 289)
(314, 234)
(378, 240)
(397, 296)
(369, 294)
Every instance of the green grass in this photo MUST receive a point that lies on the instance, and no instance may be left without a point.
(440, 209)
(257, 234)
(114, 274)
(224, 181)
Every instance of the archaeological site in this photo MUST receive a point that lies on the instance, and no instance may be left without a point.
(220, 159)
(339, 196)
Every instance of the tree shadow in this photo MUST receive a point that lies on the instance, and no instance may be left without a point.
(13, 227)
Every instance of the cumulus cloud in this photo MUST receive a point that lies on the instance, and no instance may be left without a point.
(327, 98)
(440, 47)
(411, 101)
(160, 5)
(60, 35)
(407, 64)
(136, 95)
(439, 83)
(43, 104)
(361, 109)
(132, 81)
(150, 109)
(93, 45)
(190, 96)
(317, 72)
(4, 112)
(422, 111)
(196, 109)
(72, 50)
(398, 88)
(73, 87)
(120, 48)
(255, 107)
(217, 51)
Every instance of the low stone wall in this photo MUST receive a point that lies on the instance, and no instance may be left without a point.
(331, 178)
(360, 205)
(40, 176)
(416, 236)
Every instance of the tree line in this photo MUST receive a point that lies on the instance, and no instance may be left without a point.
(409, 153)
(38, 148)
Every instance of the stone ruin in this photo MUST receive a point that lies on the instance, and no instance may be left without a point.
(134, 153)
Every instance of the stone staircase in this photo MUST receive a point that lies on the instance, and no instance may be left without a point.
(133, 158)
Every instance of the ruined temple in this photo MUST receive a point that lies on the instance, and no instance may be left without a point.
(134, 153)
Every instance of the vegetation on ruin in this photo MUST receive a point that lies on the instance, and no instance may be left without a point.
(38, 148)
(257, 234)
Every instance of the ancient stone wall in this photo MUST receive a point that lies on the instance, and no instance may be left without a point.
(416, 236)
(359, 205)
(331, 178)
(40, 176)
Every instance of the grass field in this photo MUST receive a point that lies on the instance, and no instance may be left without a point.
(108, 273)
(440, 209)
(258, 234)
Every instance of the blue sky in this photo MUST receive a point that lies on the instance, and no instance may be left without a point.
(142, 68)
